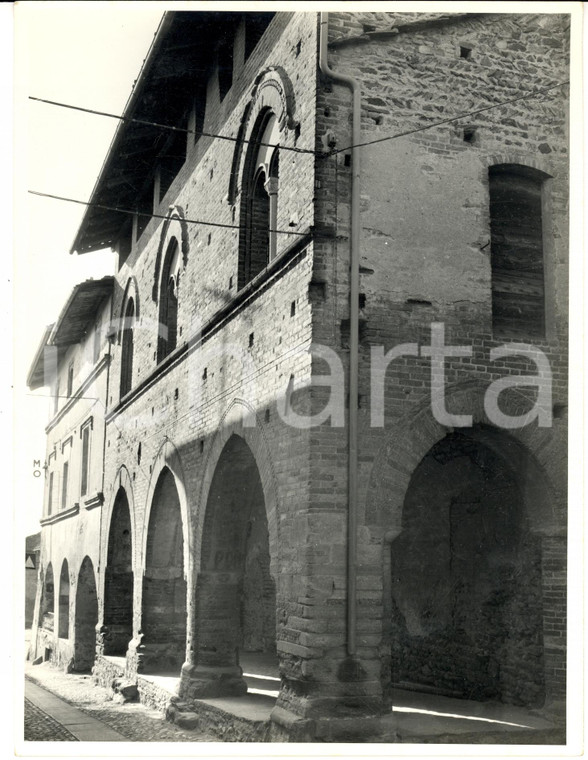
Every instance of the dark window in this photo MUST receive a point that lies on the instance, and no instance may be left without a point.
(168, 302)
(172, 158)
(144, 210)
(69, 380)
(255, 26)
(64, 485)
(85, 459)
(50, 495)
(259, 201)
(225, 64)
(126, 369)
(63, 619)
(516, 227)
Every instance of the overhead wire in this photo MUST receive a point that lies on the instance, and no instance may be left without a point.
(186, 130)
(464, 115)
(320, 154)
(163, 216)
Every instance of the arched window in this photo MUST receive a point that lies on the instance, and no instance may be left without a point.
(63, 621)
(168, 301)
(259, 199)
(516, 228)
(48, 600)
(126, 368)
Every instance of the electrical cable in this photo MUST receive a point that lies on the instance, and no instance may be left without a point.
(449, 120)
(320, 154)
(163, 216)
(185, 130)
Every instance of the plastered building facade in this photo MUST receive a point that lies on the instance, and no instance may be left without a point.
(266, 259)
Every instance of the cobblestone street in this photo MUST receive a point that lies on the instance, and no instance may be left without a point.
(133, 720)
(40, 727)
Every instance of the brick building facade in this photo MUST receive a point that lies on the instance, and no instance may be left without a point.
(378, 545)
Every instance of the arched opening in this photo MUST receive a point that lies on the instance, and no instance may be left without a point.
(86, 618)
(48, 600)
(259, 201)
(118, 580)
(466, 577)
(63, 620)
(236, 593)
(126, 365)
(164, 584)
(168, 301)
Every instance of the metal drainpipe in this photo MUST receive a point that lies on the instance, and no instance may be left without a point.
(353, 334)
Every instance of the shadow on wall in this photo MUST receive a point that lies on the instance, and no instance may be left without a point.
(466, 580)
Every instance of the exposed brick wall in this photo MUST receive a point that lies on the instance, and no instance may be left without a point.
(246, 365)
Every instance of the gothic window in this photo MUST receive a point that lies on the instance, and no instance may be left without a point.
(126, 368)
(259, 199)
(168, 301)
(516, 228)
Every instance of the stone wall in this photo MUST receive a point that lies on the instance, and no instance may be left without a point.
(425, 257)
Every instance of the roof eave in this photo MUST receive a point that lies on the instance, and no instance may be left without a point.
(128, 111)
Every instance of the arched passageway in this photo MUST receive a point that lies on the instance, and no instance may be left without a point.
(86, 618)
(118, 581)
(48, 600)
(164, 585)
(236, 593)
(466, 578)
(63, 620)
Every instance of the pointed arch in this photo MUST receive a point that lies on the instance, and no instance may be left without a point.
(63, 616)
(164, 615)
(86, 617)
(174, 226)
(127, 348)
(117, 627)
(48, 600)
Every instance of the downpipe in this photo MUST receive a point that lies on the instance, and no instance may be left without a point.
(352, 83)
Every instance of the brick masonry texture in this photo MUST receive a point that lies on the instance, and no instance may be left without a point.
(208, 493)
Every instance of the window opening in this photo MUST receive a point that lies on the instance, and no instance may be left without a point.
(516, 228)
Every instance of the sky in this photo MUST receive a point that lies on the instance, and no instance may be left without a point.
(85, 54)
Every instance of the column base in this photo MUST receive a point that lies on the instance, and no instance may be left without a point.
(202, 681)
(288, 727)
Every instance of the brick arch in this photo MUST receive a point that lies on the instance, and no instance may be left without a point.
(116, 583)
(532, 160)
(410, 439)
(272, 90)
(232, 423)
(122, 480)
(131, 291)
(86, 616)
(64, 600)
(168, 456)
(47, 600)
(176, 226)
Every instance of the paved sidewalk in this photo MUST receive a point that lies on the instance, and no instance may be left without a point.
(81, 726)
